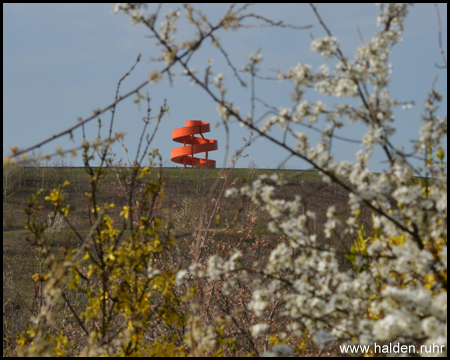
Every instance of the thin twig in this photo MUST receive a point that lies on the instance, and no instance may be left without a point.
(444, 59)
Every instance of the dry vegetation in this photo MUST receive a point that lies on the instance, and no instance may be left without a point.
(186, 194)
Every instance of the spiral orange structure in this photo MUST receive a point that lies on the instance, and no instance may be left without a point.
(185, 135)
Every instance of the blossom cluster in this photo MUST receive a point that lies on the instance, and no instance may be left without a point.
(397, 289)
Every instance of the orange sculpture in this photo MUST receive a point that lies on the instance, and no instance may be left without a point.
(185, 135)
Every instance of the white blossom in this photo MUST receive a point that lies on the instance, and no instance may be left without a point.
(326, 46)
(259, 329)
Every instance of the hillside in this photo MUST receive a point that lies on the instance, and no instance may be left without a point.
(188, 192)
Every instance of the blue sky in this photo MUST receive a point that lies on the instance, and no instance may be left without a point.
(61, 61)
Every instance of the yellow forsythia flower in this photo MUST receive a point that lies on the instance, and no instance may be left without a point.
(125, 212)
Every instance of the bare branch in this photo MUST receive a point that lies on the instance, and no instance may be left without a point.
(444, 59)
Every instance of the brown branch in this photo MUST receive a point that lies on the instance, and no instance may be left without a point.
(74, 313)
(82, 122)
(113, 111)
(440, 36)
